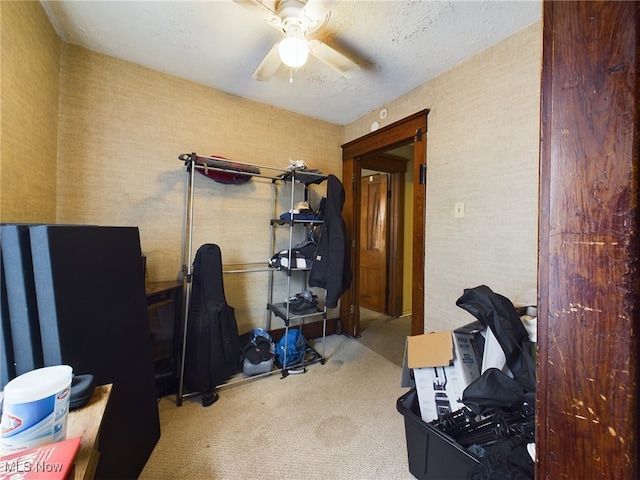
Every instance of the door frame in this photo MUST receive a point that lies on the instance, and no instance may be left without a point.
(412, 129)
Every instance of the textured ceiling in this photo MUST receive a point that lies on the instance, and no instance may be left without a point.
(398, 44)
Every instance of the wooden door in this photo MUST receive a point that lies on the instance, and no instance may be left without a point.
(373, 243)
(588, 310)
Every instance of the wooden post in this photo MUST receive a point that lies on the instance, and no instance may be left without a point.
(587, 395)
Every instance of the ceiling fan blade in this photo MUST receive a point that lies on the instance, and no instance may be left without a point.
(333, 58)
(260, 8)
(316, 11)
(269, 65)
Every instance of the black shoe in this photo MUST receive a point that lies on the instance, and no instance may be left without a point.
(305, 307)
(294, 302)
(264, 348)
(299, 299)
(209, 399)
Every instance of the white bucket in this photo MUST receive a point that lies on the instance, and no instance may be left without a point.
(35, 407)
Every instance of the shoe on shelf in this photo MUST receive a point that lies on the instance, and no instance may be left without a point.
(303, 303)
(305, 307)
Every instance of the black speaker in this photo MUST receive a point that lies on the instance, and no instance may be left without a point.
(7, 366)
(93, 316)
(21, 297)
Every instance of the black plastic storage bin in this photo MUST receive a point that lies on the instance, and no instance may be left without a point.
(433, 455)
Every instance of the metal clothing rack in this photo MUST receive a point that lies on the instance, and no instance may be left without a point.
(195, 162)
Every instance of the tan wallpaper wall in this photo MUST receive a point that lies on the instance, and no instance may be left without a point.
(122, 128)
(29, 113)
(482, 150)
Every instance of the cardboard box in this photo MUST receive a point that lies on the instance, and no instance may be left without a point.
(443, 364)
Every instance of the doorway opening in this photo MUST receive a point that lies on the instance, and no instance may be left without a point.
(385, 235)
(382, 152)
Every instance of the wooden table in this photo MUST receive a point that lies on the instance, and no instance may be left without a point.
(86, 422)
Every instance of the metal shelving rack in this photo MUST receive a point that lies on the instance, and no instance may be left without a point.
(282, 310)
(277, 177)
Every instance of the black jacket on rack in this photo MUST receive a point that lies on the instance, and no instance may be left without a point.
(331, 267)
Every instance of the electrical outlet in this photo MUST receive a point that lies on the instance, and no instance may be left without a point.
(459, 210)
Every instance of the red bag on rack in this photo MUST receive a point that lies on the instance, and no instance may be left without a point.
(224, 171)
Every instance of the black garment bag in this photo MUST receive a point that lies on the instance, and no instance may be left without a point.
(510, 402)
(497, 312)
(213, 345)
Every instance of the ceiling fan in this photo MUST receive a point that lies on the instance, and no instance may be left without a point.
(296, 19)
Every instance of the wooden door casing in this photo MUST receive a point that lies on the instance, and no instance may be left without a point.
(412, 129)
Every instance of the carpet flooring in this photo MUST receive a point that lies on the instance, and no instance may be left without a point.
(336, 421)
(385, 335)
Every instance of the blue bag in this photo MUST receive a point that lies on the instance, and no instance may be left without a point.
(296, 345)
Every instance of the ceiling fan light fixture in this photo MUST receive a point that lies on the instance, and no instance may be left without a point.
(294, 51)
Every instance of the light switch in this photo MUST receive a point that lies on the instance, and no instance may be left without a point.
(459, 210)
